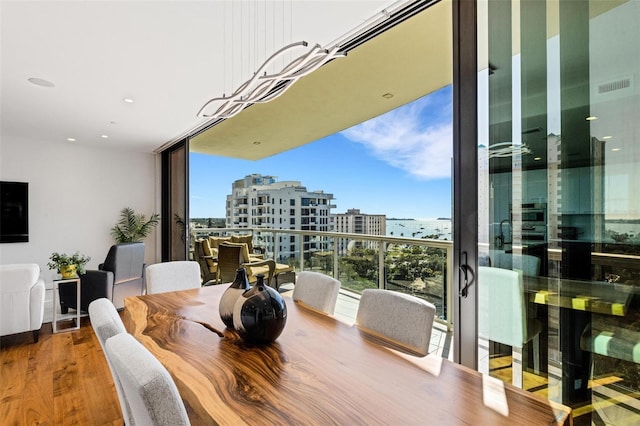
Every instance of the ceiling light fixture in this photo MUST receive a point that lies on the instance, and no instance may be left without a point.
(104, 136)
(388, 95)
(257, 142)
(263, 87)
(71, 139)
(615, 149)
(128, 100)
(591, 118)
(537, 158)
(507, 149)
(606, 138)
(41, 82)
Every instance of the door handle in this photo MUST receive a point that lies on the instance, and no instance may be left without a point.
(467, 275)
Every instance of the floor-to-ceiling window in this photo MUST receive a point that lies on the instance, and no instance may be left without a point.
(558, 204)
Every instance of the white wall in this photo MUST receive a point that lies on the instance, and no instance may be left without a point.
(75, 197)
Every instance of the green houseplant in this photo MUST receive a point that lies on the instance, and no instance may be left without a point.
(68, 265)
(133, 227)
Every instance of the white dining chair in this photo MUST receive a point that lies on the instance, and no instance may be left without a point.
(401, 318)
(172, 276)
(106, 323)
(148, 387)
(319, 291)
(503, 318)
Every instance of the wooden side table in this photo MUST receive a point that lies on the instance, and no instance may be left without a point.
(56, 303)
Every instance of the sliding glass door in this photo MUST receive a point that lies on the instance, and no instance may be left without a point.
(558, 238)
(175, 218)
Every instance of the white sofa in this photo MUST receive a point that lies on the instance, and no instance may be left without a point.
(21, 299)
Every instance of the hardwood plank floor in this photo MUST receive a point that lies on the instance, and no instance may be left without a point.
(63, 379)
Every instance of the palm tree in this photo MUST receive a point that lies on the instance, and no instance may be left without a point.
(133, 227)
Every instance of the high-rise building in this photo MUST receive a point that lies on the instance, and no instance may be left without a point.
(354, 222)
(259, 201)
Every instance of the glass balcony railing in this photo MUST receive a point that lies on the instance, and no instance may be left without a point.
(420, 267)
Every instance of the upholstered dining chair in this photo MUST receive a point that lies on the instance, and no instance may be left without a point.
(172, 276)
(106, 323)
(319, 291)
(148, 387)
(400, 318)
(503, 318)
(528, 264)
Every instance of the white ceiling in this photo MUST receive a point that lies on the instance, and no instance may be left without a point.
(169, 56)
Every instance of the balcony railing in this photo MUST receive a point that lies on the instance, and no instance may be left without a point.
(421, 267)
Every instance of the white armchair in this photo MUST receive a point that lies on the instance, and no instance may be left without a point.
(21, 299)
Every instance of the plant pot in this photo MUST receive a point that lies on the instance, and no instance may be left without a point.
(69, 271)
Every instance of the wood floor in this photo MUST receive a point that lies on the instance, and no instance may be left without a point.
(63, 379)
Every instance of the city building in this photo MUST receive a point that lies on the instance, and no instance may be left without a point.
(354, 222)
(260, 201)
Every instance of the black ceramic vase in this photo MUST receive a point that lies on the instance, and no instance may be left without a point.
(228, 300)
(260, 314)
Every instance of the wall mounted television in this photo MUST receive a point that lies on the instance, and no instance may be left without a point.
(14, 212)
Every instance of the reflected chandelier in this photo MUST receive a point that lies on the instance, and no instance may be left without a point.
(263, 87)
(507, 149)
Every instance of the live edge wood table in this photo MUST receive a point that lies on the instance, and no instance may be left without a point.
(319, 371)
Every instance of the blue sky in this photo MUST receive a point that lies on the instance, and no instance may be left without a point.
(398, 164)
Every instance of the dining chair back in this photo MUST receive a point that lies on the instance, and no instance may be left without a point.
(106, 323)
(172, 276)
(148, 387)
(503, 317)
(401, 318)
(317, 290)
(229, 260)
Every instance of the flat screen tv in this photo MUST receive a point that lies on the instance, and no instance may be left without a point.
(14, 212)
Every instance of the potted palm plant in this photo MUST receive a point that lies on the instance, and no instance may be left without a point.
(68, 266)
(133, 227)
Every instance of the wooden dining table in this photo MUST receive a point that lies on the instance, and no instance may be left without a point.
(319, 371)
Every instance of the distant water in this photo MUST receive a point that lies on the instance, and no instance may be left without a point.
(418, 228)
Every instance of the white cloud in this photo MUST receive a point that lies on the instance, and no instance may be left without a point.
(403, 139)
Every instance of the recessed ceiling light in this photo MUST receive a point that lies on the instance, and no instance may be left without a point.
(537, 158)
(257, 142)
(104, 136)
(71, 139)
(615, 149)
(388, 95)
(112, 122)
(606, 137)
(591, 118)
(40, 82)
(128, 100)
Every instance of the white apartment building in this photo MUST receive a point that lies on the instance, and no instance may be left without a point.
(354, 222)
(259, 201)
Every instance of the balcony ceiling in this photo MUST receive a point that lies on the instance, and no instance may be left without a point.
(171, 57)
